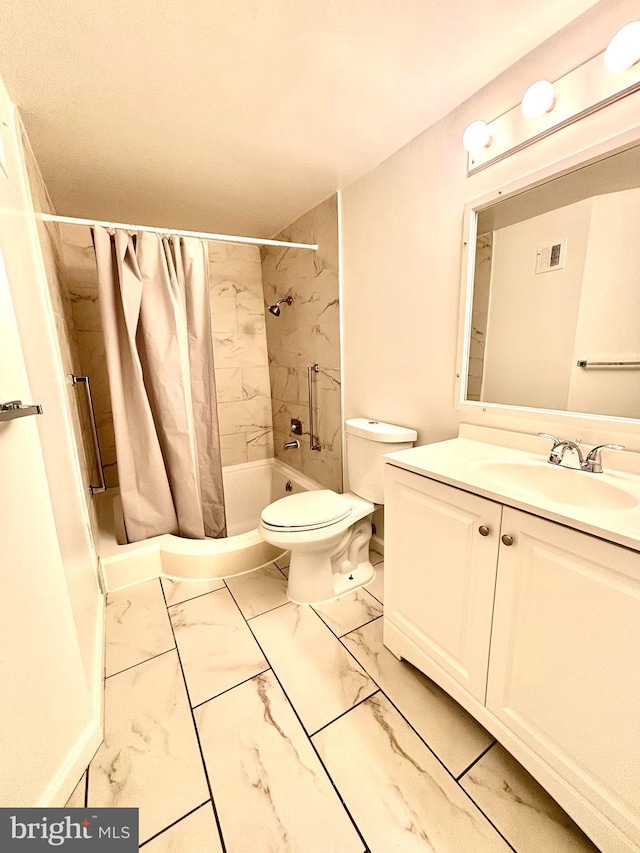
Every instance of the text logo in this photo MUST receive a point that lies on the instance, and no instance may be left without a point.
(74, 830)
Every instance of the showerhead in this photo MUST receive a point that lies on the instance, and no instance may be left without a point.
(275, 309)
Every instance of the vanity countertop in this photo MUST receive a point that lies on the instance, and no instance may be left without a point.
(606, 505)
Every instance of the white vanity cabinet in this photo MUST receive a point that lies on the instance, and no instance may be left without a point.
(535, 629)
(441, 589)
(564, 672)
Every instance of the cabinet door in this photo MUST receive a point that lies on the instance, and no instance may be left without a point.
(564, 673)
(440, 572)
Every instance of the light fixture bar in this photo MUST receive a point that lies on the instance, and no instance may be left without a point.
(176, 232)
(579, 93)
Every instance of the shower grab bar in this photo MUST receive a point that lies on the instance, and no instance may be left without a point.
(584, 363)
(314, 368)
(93, 490)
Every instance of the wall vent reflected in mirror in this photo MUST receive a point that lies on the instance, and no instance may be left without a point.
(528, 330)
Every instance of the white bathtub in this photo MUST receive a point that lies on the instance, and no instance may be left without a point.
(248, 489)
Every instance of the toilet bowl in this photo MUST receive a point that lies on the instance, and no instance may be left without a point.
(328, 533)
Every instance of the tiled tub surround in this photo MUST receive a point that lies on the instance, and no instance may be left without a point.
(240, 351)
(239, 342)
(305, 333)
(298, 736)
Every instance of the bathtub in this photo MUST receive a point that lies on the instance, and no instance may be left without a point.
(248, 489)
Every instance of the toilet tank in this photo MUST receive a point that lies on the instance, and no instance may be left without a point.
(367, 443)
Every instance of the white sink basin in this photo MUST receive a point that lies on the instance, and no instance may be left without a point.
(556, 483)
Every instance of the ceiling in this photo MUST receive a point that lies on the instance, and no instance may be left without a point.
(237, 116)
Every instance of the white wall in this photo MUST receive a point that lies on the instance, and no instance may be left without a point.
(533, 317)
(52, 388)
(402, 245)
(609, 320)
(51, 662)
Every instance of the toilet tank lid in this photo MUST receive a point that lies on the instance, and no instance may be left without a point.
(379, 431)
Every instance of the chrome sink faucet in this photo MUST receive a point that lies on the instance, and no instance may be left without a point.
(591, 463)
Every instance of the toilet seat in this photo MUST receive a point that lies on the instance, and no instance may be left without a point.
(311, 510)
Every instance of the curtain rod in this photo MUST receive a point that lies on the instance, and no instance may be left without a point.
(203, 235)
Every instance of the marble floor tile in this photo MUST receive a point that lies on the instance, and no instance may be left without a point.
(399, 795)
(349, 612)
(137, 626)
(258, 755)
(195, 833)
(376, 586)
(520, 808)
(259, 591)
(175, 592)
(149, 758)
(76, 800)
(321, 679)
(216, 648)
(453, 734)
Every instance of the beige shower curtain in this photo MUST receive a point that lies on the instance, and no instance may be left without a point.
(154, 302)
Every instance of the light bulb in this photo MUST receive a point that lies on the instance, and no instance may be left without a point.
(538, 99)
(476, 136)
(624, 48)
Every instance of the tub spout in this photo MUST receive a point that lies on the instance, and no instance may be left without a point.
(289, 445)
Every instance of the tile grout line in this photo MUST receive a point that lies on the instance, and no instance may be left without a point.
(195, 728)
(180, 603)
(344, 713)
(476, 760)
(351, 630)
(437, 757)
(134, 665)
(487, 818)
(256, 615)
(390, 700)
(313, 746)
(193, 597)
(233, 687)
(175, 822)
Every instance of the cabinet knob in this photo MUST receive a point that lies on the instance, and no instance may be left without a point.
(507, 540)
(483, 530)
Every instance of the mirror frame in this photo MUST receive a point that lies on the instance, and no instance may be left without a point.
(566, 419)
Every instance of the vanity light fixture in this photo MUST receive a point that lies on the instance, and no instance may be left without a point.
(624, 48)
(538, 99)
(559, 103)
(476, 136)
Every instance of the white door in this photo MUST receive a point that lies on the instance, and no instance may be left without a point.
(440, 573)
(45, 706)
(564, 674)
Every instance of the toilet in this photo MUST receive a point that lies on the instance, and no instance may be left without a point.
(328, 534)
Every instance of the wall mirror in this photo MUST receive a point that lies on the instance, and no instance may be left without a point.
(552, 316)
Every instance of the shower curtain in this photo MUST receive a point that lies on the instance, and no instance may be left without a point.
(154, 303)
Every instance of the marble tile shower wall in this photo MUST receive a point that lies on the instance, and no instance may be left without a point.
(306, 333)
(237, 314)
(80, 270)
(240, 353)
(52, 254)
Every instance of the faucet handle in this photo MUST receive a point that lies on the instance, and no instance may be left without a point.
(593, 462)
(548, 435)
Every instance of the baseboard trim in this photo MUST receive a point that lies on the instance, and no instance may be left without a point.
(377, 544)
